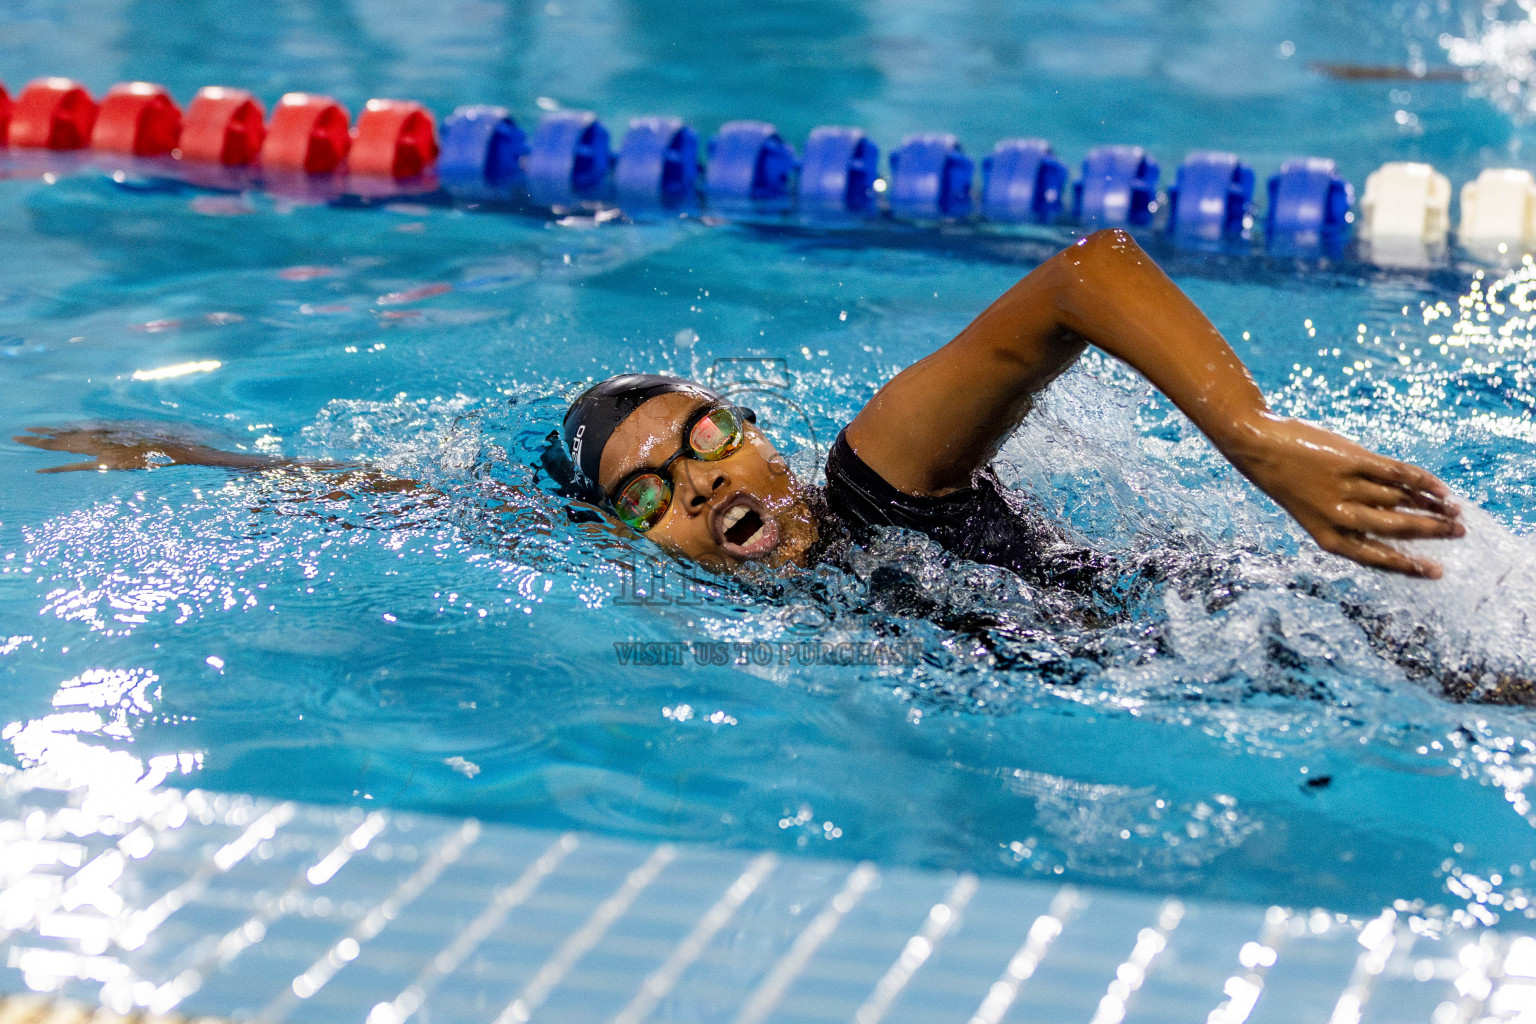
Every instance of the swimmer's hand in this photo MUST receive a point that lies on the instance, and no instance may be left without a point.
(122, 446)
(1349, 499)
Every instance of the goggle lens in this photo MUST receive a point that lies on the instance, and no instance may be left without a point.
(643, 502)
(716, 435)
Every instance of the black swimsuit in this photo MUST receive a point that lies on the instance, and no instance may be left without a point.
(981, 524)
(977, 523)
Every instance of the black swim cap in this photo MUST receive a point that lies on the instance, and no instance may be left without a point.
(597, 413)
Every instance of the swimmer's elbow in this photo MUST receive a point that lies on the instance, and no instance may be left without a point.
(1094, 269)
(1092, 263)
(1056, 309)
(1109, 244)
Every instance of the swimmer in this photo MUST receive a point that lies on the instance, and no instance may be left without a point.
(676, 463)
(679, 465)
(1391, 73)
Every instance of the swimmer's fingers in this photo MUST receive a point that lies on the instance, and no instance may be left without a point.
(45, 438)
(1429, 503)
(1396, 525)
(1377, 555)
(50, 440)
(81, 441)
(1403, 475)
(1369, 492)
(74, 467)
(104, 455)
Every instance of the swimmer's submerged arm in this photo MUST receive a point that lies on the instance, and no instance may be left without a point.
(943, 418)
(127, 446)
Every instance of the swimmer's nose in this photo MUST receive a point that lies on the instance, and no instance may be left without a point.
(697, 482)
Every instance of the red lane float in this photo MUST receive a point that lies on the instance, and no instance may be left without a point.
(394, 138)
(5, 114)
(307, 133)
(225, 126)
(137, 119)
(53, 113)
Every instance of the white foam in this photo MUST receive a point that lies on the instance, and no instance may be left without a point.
(1501, 55)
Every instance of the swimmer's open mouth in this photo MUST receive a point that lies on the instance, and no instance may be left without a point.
(744, 530)
(741, 524)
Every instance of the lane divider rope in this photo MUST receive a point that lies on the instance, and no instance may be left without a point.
(309, 147)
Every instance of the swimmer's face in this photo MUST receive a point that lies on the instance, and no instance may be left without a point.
(747, 507)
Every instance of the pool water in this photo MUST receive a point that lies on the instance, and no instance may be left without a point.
(1246, 719)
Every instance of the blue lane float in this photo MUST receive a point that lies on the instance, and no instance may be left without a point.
(1118, 188)
(485, 155)
(930, 177)
(1022, 181)
(1211, 200)
(481, 144)
(748, 162)
(839, 169)
(658, 163)
(569, 158)
(1309, 208)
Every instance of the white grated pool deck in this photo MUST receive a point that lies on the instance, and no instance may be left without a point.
(164, 902)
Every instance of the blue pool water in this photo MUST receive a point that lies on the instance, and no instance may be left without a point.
(255, 634)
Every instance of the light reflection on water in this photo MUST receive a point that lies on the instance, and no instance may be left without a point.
(82, 743)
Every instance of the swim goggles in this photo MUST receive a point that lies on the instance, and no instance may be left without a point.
(711, 434)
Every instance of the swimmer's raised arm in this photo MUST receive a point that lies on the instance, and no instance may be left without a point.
(940, 420)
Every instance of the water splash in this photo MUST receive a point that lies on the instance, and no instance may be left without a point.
(1500, 52)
